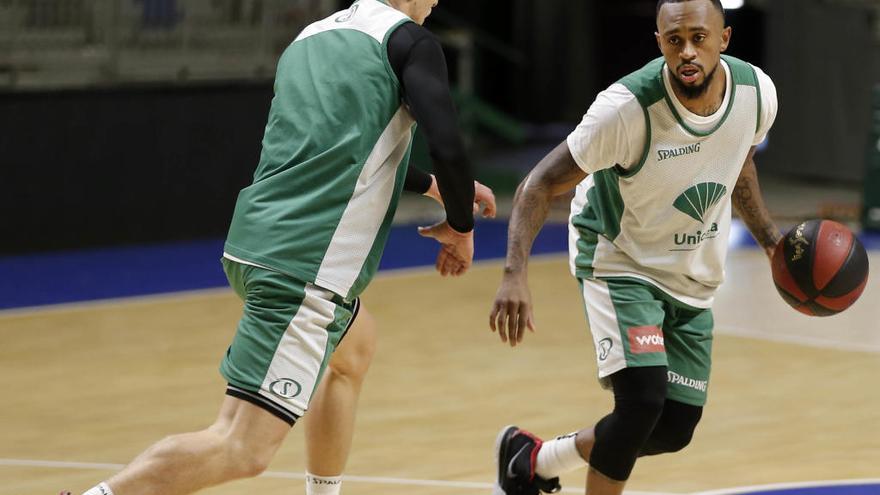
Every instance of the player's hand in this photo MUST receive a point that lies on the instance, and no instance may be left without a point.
(484, 201)
(457, 252)
(512, 310)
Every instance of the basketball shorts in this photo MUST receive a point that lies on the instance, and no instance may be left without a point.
(635, 324)
(287, 333)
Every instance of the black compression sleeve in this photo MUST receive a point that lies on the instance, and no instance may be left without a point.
(418, 61)
(416, 181)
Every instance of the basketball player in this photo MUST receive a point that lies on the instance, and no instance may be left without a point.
(306, 238)
(657, 162)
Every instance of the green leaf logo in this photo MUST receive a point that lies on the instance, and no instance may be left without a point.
(697, 200)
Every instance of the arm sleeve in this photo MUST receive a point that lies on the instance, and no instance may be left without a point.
(416, 181)
(769, 106)
(611, 133)
(418, 61)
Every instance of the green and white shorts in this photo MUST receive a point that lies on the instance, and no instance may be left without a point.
(635, 324)
(284, 340)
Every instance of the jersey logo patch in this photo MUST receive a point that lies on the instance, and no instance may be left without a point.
(605, 346)
(697, 200)
(684, 150)
(643, 340)
(285, 388)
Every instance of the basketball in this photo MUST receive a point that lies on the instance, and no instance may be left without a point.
(820, 268)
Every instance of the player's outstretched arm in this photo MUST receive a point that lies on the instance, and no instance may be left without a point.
(556, 174)
(749, 205)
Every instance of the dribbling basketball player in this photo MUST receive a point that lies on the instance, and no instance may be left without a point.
(658, 161)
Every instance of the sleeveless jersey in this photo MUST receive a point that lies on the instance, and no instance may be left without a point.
(666, 220)
(335, 152)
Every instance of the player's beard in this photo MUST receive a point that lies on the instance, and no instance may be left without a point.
(694, 92)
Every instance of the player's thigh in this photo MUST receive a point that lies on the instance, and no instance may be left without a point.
(688, 333)
(284, 342)
(355, 352)
(625, 319)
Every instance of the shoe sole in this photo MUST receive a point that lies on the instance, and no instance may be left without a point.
(499, 441)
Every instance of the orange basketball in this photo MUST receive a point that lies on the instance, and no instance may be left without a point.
(820, 268)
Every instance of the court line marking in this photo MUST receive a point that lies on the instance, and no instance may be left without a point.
(379, 480)
(446, 484)
(787, 486)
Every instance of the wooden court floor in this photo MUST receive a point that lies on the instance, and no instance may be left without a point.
(86, 387)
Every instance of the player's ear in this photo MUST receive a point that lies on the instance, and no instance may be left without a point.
(725, 38)
(657, 37)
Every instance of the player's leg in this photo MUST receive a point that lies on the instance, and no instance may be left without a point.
(674, 429)
(625, 320)
(240, 444)
(285, 338)
(688, 339)
(618, 438)
(611, 446)
(330, 424)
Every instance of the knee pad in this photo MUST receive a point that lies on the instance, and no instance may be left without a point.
(639, 398)
(674, 429)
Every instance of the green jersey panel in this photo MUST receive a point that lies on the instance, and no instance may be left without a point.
(335, 151)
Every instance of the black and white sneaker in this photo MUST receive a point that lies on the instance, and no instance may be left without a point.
(516, 452)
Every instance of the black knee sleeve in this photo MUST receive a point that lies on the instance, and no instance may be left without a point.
(674, 429)
(639, 397)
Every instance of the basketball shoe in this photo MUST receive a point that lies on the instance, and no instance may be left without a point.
(516, 452)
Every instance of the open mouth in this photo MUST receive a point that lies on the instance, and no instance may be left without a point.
(689, 73)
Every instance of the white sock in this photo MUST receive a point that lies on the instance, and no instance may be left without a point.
(323, 485)
(558, 456)
(101, 489)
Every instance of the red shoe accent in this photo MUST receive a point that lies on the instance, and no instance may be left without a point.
(533, 456)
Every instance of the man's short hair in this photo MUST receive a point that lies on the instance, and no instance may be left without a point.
(716, 3)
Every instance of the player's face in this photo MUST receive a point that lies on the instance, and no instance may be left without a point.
(421, 9)
(692, 36)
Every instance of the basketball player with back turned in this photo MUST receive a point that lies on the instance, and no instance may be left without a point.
(306, 238)
(657, 161)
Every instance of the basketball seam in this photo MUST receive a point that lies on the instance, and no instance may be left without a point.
(853, 251)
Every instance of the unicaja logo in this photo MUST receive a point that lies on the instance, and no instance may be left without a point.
(285, 388)
(697, 200)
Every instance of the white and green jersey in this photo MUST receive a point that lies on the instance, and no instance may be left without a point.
(334, 158)
(656, 205)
